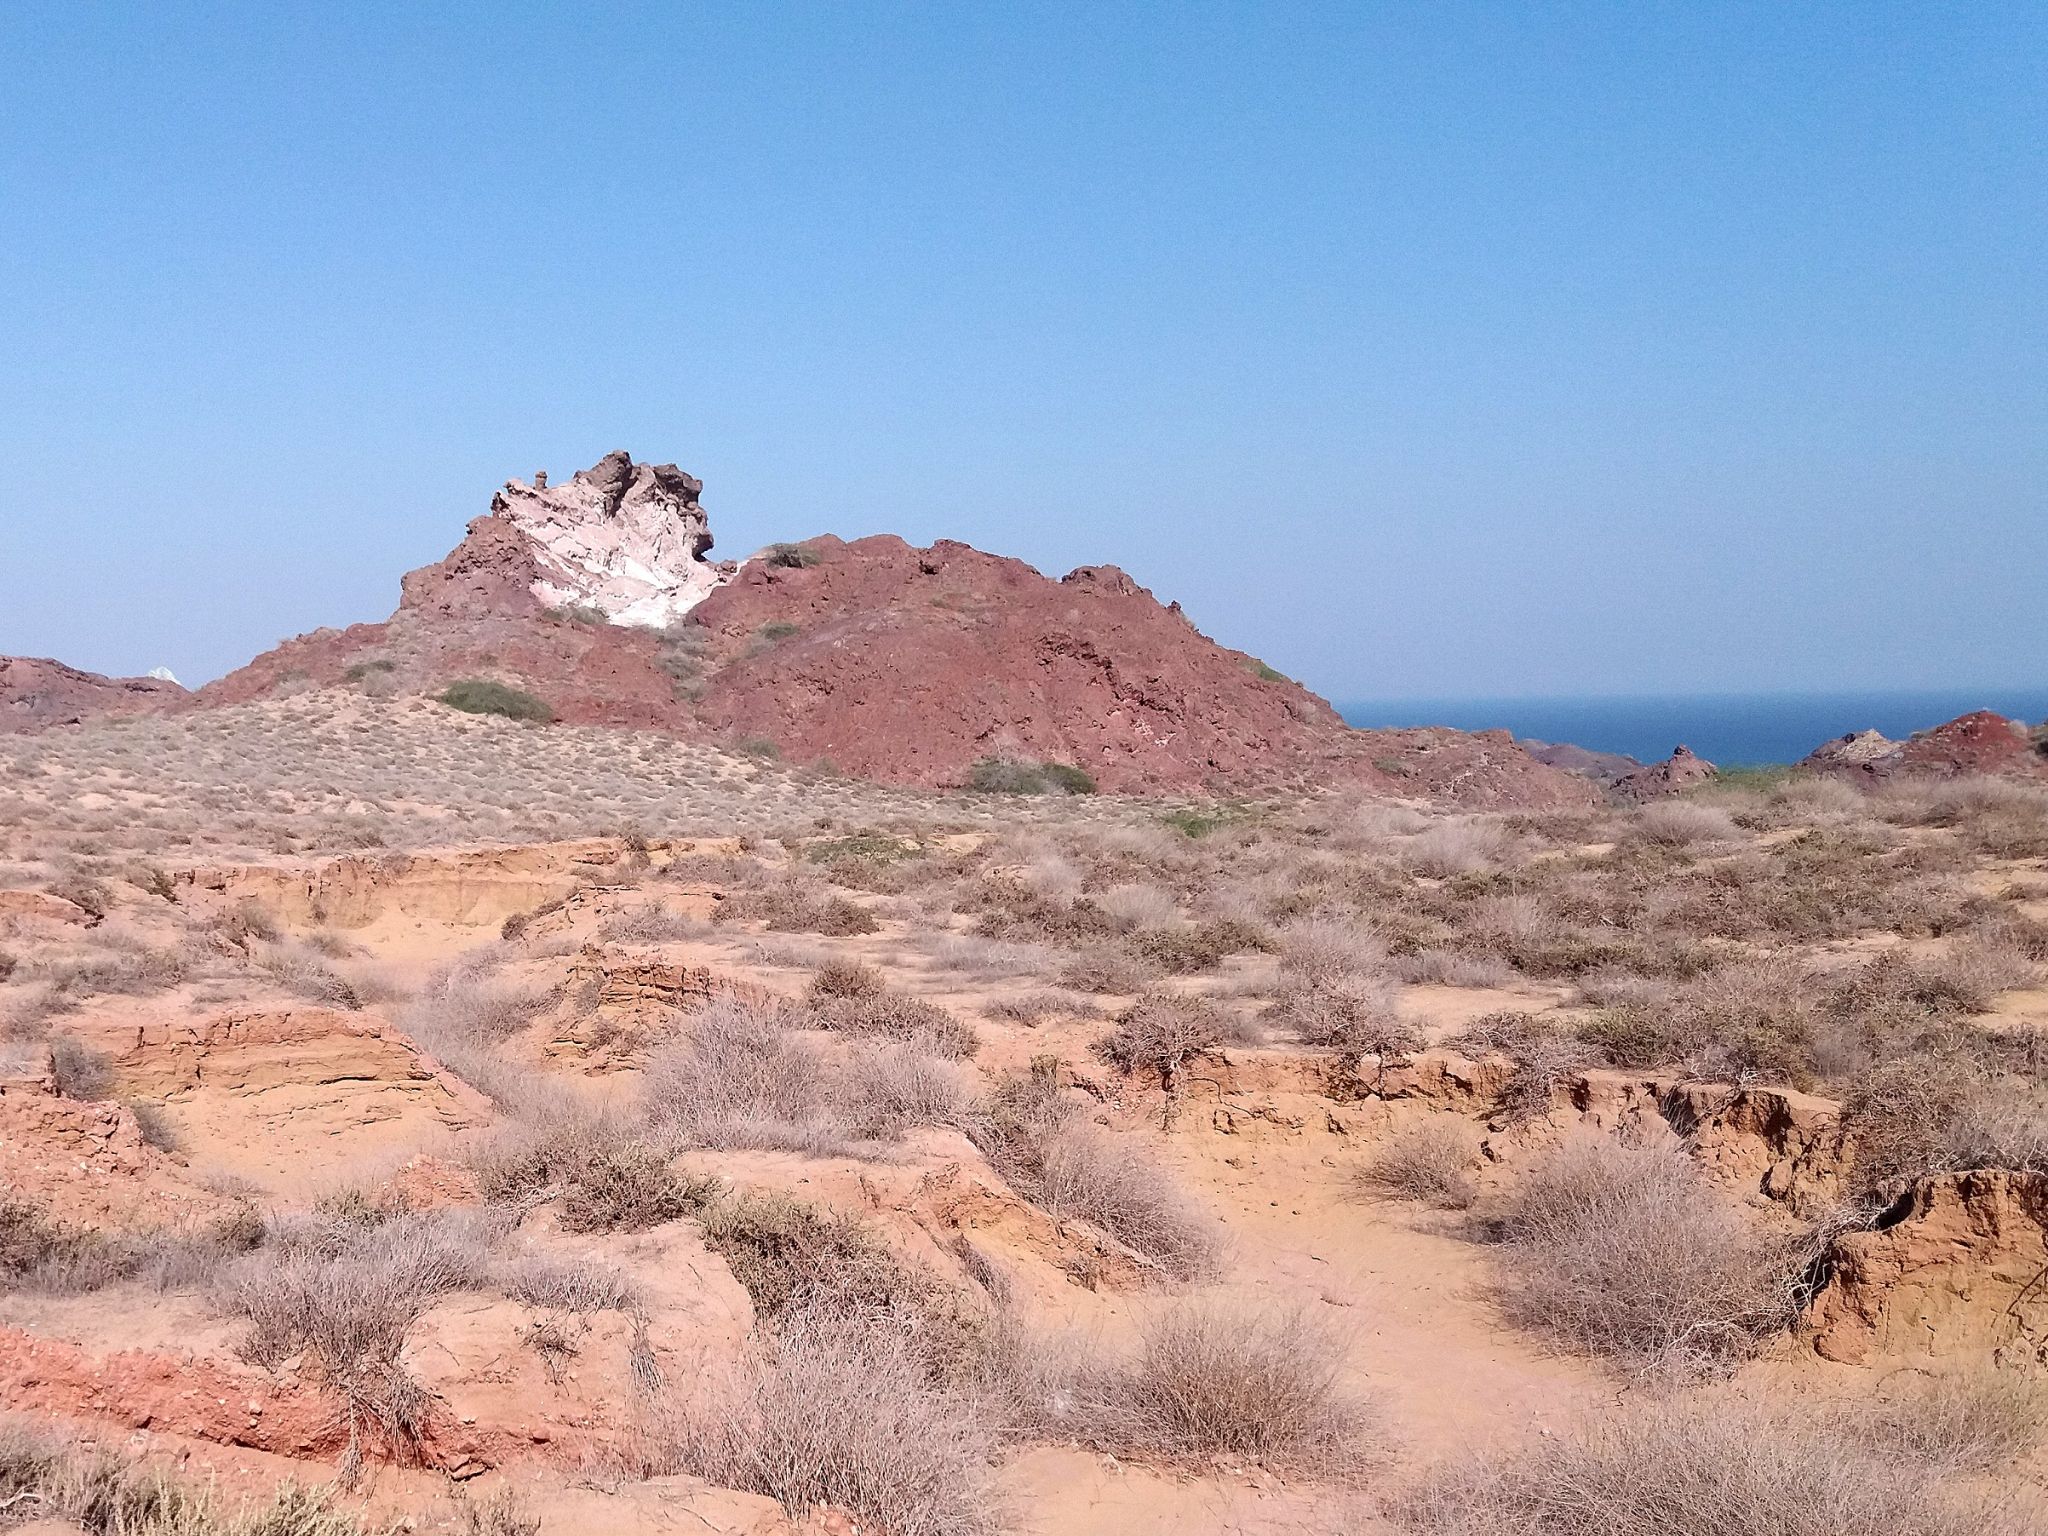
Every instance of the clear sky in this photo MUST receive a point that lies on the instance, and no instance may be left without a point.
(1424, 349)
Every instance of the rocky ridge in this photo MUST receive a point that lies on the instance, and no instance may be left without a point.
(36, 693)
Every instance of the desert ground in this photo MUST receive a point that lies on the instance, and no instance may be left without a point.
(420, 1121)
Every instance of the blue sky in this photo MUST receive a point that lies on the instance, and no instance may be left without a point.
(1424, 349)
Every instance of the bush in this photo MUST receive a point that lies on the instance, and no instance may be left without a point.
(797, 908)
(846, 978)
(1162, 1029)
(1032, 1136)
(793, 556)
(1938, 1113)
(1979, 1419)
(155, 1126)
(1627, 1252)
(349, 1304)
(80, 1071)
(741, 1080)
(1216, 1380)
(896, 1017)
(1683, 824)
(837, 1409)
(1430, 1160)
(607, 1174)
(480, 696)
(1011, 776)
(107, 1494)
(1352, 1013)
(1697, 1468)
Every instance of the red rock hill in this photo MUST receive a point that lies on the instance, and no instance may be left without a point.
(36, 692)
(894, 663)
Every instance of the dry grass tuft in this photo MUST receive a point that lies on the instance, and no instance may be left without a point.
(838, 1408)
(1076, 1170)
(1430, 1160)
(1701, 1468)
(1206, 1381)
(1627, 1252)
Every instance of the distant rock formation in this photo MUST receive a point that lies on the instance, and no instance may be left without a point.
(1979, 742)
(1601, 767)
(887, 661)
(1681, 771)
(36, 692)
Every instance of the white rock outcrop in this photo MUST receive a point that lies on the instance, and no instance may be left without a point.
(623, 538)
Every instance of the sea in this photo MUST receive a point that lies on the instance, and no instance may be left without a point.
(1730, 729)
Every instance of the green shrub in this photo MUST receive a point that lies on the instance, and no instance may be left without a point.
(1018, 776)
(794, 556)
(480, 696)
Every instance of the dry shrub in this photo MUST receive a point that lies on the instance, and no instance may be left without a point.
(1976, 1419)
(888, 1089)
(1186, 948)
(602, 1167)
(1320, 951)
(795, 907)
(155, 1125)
(1162, 1029)
(846, 978)
(795, 1258)
(739, 1079)
(1744, 1019)
(1544, 1056)
(348, 1303)
(301, 971)
(52, 1481)
(1035, 1138)
(1430, 1160)
(1351, 1013)
(894, 1016)
(1673, 1467)
(1034, 1008)
(1454, 968)
(554, 1284)
(837, 1408)
(1210, 1380)
(41, 1254)
(461, 1018)
(1683, 824)
(1939, 1113)
(648, 923)
(1628, 1252)
(1113, 972)
(80, 1071)
(1135, 906)
(1457, 848)
(742, 1080)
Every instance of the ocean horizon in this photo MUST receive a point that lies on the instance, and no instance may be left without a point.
(1731, 729)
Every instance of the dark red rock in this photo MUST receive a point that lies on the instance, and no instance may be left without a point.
(1681, 771)
(1979, 742)
(36, 692)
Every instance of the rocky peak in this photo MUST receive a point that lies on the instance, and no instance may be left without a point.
(1679, 772)
(625, 538)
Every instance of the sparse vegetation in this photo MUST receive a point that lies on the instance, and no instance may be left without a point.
(480, 696)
